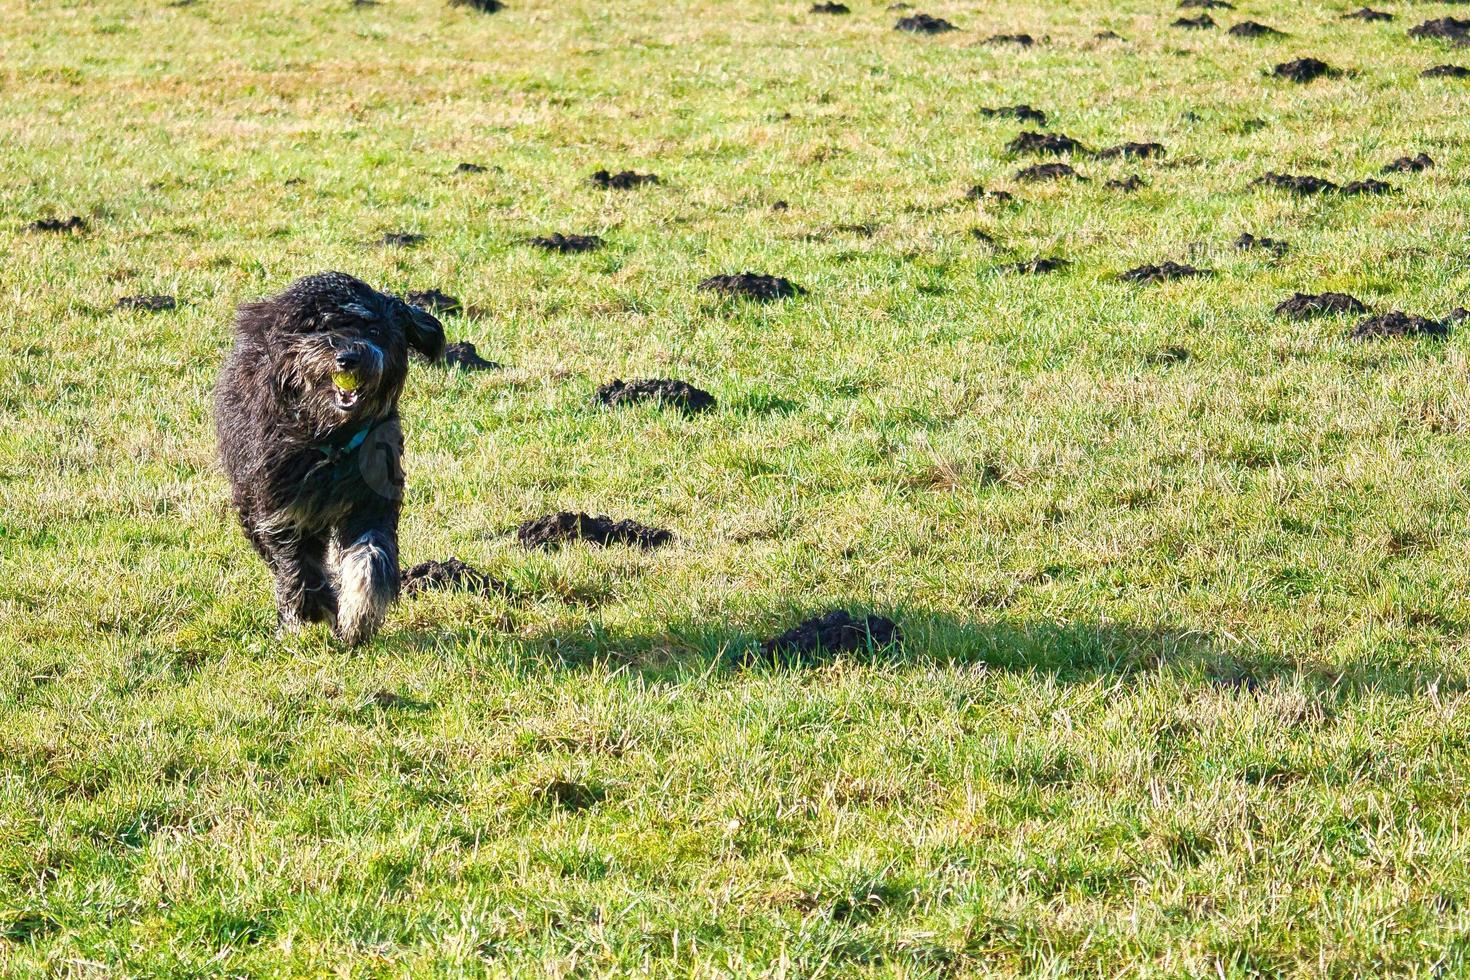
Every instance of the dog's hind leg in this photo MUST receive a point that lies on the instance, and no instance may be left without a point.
(367, 580)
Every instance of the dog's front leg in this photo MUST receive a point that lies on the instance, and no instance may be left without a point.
(367, 577)
(296, 564)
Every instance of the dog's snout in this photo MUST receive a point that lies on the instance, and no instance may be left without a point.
(348, 359)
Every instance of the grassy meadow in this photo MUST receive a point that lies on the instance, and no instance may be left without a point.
(1184, 691)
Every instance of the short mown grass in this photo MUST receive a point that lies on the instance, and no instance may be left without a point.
(1184, 687)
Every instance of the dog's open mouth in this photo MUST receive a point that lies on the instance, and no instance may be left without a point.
(344, 390)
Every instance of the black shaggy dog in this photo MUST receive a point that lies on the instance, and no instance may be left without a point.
(306, 410)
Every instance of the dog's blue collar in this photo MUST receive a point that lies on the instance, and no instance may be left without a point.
(335, 454)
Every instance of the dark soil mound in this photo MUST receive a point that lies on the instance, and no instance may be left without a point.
(1047, 171)
(402, 239)
(553, 530)
(1205, 5)
(1126, 185)
(752, 285)
(433, 300)
(1304, 306)
(1398, 324)
(450, 574)
(622, 181)
(924, 24)
(74, 223)
(1446, 71)
(1164, 272)
(1251, 28)
(484, 6)
(1248, 242)
(1108, 36)
(1369, 186)
(836, 632)
(1203, 22)
(664, 391)
(1024, 40)
(978, 193)
(830, 8)
(1409, 165)
(1445, 29)
(1038, 266)
(557, 242)
(1303, 70)
(463, 355)
(1368, 15)
(1045, 144)
(149, 304)
(469, 168)
(1020, 113)
(1136, 151)
(1297, 184)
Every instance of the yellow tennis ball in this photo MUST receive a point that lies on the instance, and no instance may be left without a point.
(345, 380)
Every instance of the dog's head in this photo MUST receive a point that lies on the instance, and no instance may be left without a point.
(337, 349)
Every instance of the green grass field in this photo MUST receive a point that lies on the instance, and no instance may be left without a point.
(1184, 692)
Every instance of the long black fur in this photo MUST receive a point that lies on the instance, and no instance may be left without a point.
(316, 471)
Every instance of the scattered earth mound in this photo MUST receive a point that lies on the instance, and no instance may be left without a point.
(1203, 22)
(557, 242)
(554, 530)
(1045, 144)
(1409, 165)
(924, 24)
(1047, 171)
(1248, 242)
(1134, 151)
(402, 239)
(1295, 183)
(1164, 272)
(1304, 306)
(148, 304)
(469, 168)
(1126, 185)
(1398, 324)
(830, 8)
(72, 224)
(1370, 186)
(450, 574)
(752, 285)
(1456, 316)
(664, 391)
(483, 6)
(1303, 70)
(1444, 29)
(1020, 113)
(621, 181)
(1368, 15)
(979, 193)
(1108, 36)
(1024, 40)
(463, 355)
(836, 632)
(1446, 71)
(1205, 5)
(433, 300)
(1038, 266)
(1251, 28)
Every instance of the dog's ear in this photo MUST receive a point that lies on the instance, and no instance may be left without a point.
(424, 333)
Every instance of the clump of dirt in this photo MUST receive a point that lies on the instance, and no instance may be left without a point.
(830, 8)
(924, 24)
(1444, 29)
(483, 6)
(835, 632)
(1370, 186)
(1108, 36)
(469, 168)
(402, 239)
(979, 193)
(433, 300)
(1127, 185)
(781, 206)
(463, 354)
(1303, 70)
(1446, 71)
(1457, 316)
(1047, 171)
(1020, 113)
(1045, 144)
(752, 285)
(1169, 355)
(72, 224)
(1203, 22)
(148, 304)
(1368, 15)
(1163, 272)
(1409, 165)
(1135, 151)
(1024, 40)
(557, 242)
(1396, 323)
(1038, 266)
(450, 574)
(1252, 28)
(554, 530)
(622, 181)
(1297, 184)
(1304, 306)
(564, 794)
(981, 235)
(664, 391)
(1205, 5)
(1248, 242)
